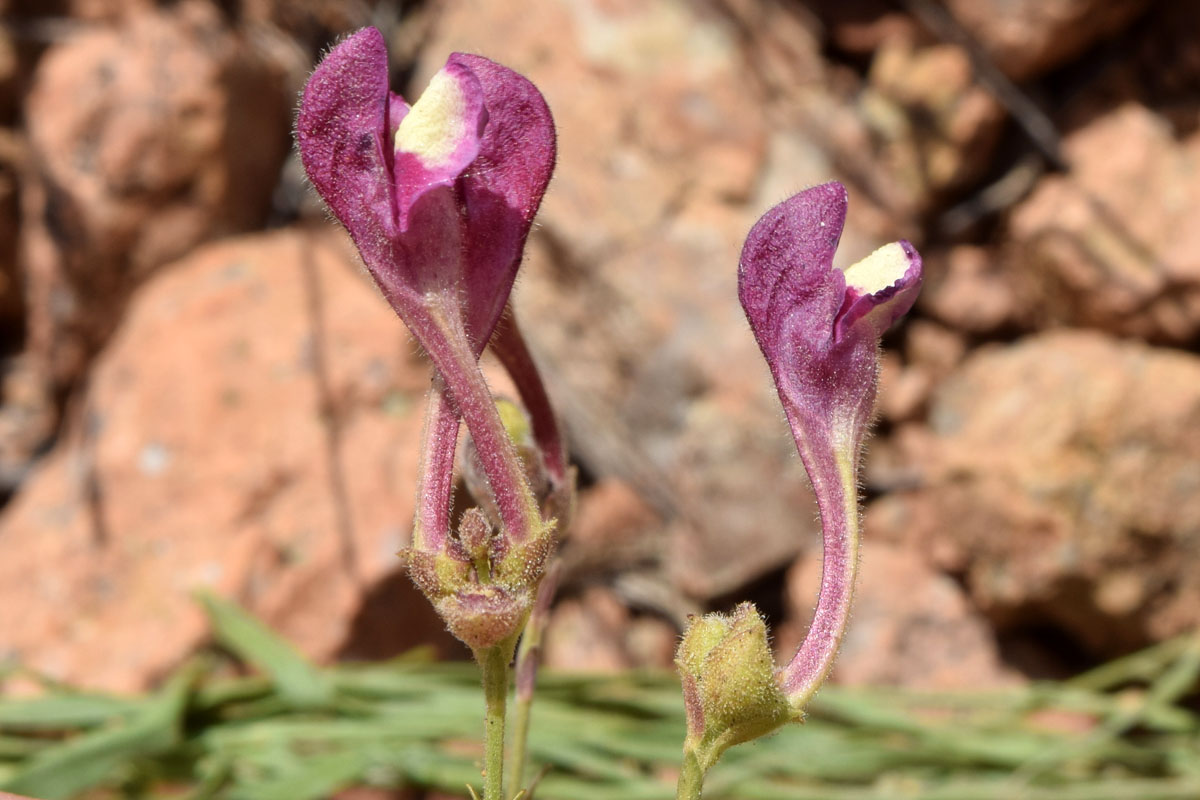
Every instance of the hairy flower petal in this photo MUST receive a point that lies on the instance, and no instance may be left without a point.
(503, 187)
(341, 131)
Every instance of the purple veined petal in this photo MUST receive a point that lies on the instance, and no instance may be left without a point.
(786, 280)
(503, 188)
(438, 138)
(341, 130)
(880, 289)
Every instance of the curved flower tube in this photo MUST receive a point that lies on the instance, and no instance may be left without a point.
(819, 329)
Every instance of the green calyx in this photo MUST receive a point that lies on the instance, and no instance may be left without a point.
(729, 685)
(481, 586)
(481, 581)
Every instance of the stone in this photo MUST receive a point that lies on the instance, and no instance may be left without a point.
(971, 289)
(930, 353)
(1113, 244)
(911, 625)
(613, 529)
(28, 421)
(586, 633)
(1027, 38)
(9, 74)
(12, 300)
(148, 138)
(252, 429)
(861, 27)
(932, 127)
(594, 631)
(1059, 477)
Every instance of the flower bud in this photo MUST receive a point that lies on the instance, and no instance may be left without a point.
(475, 536)
(729, 684)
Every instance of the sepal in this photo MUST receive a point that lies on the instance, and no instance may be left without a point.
(729, 686)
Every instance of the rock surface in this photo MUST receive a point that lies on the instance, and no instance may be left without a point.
(252, 429)
(595, 632)
(12, 295)
(912, 625)
(1061, 480)
(147, 139)
(1114, 244)
(931, 126)
(1029, 37)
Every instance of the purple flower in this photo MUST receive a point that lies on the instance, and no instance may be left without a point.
(819, 329)
(438, 196)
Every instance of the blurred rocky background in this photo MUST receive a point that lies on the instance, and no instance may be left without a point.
(201, 388)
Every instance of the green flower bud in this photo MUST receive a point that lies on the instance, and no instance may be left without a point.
(729, 684)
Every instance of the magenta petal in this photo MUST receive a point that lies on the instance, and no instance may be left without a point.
(503, 188)
(342, 133)
(786, 279)
(818, 326)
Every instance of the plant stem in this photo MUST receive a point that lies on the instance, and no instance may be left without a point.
(493, 663)
(509, 346)
(439, 329)
(691, 777)
(528, 655)
(435, 476)
(831, 471)
(517, 757)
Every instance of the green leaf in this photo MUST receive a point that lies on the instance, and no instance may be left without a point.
(90, 758)
(298, 682)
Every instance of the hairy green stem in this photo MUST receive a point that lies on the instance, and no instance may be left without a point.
(691, 777)
(493, 663)
(517, 757)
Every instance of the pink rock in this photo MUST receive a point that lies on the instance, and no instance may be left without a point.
(932, 127)
(972, 290)
(1113, 243)
(252, 428)
(148, 138)
(1029, 37)
(595, 632)
(1060, 481)
(912, 626)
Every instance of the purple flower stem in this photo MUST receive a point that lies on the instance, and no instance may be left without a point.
(510, 347)
(440, 329)
(435, 474)
(830, 465)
